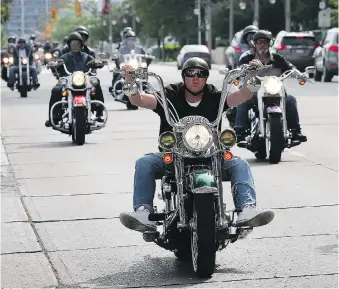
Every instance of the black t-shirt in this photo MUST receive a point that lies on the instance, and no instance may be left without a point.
(175, 93)
(278, 61)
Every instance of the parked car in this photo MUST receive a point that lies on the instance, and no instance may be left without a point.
(234, 51)
(326, 56)
(296, 47)
(189, 51)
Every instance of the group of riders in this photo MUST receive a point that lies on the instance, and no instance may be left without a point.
(190, 97)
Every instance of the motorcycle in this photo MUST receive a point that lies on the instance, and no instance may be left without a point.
(268, 134)
(77, 119)
(195, 221)
(136, 61)
(6, 61)
(23, 78)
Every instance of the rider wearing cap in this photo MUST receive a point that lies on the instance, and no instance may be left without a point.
(261, 42)
(192, 96)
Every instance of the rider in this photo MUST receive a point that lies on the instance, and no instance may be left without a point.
(123, 35)
(191, 97)
(83, 31)
(261, 42)
(56, 48)
(75, 60)
(22, 50)
(47, 47)
(246, 37)
(125, 47)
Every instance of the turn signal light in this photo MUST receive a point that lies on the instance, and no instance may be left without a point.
(65, 93)
(236, 82)
(302, 82)
(167, 158)
(228, 156)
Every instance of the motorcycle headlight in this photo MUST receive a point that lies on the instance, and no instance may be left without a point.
(78, 79)
(134, 63)
(228, 138)
(272, 85)
(5, 60)
(94, 81)
(36, 57)
(24, 61)
(56, 54)
(197, 137)
(11, 59)
(143, 64)
(48, 56)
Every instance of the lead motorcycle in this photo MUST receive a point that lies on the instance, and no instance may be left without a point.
(77, 119)
(137, 61)
(268, 134)
(195, 220)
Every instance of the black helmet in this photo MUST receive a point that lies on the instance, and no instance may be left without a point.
(55, 43)
(32, 37)
(81, 28)
(194, 62)
(249, 29)
(74, 36)
(262, 34)
(21, 40)
(129, 34)
(11, 38)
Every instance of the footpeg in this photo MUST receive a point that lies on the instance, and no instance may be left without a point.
(150, 236)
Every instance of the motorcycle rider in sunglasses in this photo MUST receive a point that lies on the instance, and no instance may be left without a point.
(193, 96)
(261, 42)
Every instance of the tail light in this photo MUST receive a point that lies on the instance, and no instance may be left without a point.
(238, 49)
(280, 47)
(333, 48)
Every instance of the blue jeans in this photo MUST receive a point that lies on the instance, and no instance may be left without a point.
(292, 115)
(15, 69)
(150, 167)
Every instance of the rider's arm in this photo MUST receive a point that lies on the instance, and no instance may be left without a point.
(239, 96)
(144, 100)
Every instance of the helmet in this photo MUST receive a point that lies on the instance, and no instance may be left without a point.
(21, 40)
(74, 36)
(126, 29)
(55, 43)
(32, 37)
(83, 31)
(11, 38)
(262, 34)
(194, 62)
(248, 30)
(129, 33)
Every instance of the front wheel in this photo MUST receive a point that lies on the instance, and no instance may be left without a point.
(79, 125)
(23, 91)
(203, 236)
(276, 143)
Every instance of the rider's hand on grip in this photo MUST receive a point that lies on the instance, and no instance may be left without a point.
(129, 74)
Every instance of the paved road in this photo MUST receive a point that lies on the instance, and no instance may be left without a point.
(60, 203)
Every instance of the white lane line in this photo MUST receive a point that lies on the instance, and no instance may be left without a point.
(297, 154)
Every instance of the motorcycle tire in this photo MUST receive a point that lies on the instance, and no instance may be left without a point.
(277, 138)
(203, 235)
(79, 125)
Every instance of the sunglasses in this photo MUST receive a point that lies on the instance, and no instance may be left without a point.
(262, 41)
(199, 73)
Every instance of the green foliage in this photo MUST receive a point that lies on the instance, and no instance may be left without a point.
(5, 10)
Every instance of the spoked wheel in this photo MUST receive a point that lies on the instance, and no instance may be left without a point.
(203, 236)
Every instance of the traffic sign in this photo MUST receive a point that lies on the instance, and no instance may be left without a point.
(324, 18)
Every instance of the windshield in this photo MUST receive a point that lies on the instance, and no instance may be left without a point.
(130, 44)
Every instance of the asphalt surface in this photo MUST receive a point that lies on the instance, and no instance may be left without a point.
(60, 202)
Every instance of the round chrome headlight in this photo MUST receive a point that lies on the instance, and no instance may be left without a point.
(197, 137)
(94, 81)
(272, 85)
(24, 61)
(78, 79)
(228, 138)
(63, 80)
(167, 140)
(5, 60)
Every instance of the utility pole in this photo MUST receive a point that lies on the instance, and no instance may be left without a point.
(110, 28)
(288, 15)
(22, 19)
(199, 22)
(256, 13)
(208, 24)
(231, 21)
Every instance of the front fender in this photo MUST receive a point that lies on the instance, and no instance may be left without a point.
(203, 182)
(273, 109)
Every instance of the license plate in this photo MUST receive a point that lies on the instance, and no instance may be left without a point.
(300, 51)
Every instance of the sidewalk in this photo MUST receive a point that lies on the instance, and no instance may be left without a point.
(23, 262)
